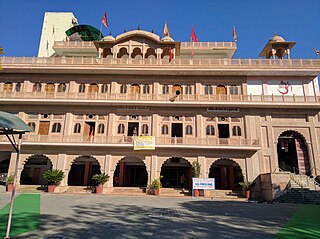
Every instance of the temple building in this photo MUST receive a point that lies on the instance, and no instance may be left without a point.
(241, 119)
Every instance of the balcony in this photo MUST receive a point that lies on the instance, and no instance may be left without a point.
(135, 98)
(225, 63)
(211, 142)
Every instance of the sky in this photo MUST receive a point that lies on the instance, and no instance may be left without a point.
(255, 21)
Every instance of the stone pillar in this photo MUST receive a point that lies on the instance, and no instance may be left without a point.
(231, 177)
(61, 164)
(68, 122)
(199, 127)
(203, 169)
(107, 169)
(111, 130)
(273, 52)
(155, 125)
(121, 173)
(73, 87)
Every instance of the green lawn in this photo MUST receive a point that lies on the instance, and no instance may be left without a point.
(305, 224)
(26, 215)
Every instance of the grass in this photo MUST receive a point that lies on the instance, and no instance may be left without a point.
(26, 215)
(304, 224)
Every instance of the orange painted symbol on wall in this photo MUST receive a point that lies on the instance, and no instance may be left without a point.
(285, 87)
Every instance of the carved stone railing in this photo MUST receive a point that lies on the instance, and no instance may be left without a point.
(222, 63)
(160, 97)
(190, 141)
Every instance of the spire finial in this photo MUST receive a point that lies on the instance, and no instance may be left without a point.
(138, 27)
(274, 34)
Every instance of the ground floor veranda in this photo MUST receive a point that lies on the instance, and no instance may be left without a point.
(130, 170)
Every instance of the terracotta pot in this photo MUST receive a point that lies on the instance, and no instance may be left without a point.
(196, 192)
(156, 192)
(9, 187)
(99, 189)
(51, 188)
(247, 194)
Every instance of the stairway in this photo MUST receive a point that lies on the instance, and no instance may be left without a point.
(227, 195)
(303, 189)
(132, 191)
(174, 192)
(79, 189)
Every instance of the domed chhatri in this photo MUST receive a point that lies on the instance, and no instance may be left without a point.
(108, 38)
(277, 38)
(167, 39)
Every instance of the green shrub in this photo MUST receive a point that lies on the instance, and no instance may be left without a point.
(10, 179)
(54, 176)
(101, 178)
(196, 168)
(156, 184)
(246, 186)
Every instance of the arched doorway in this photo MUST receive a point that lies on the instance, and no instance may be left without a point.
(135, 89)
(176, 88)
(176, 172)
(130, 172)
(82, 170)
(93, 88)
(227, 174)
(49, 87)
(221, 90)
(293, 153)
(33, 170)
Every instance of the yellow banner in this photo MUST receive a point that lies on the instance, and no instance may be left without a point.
(144, 142)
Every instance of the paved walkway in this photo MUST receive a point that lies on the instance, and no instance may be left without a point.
(95, 216)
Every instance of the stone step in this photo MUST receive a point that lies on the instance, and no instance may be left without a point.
(129, 190)
(79, 189)
(174, 192)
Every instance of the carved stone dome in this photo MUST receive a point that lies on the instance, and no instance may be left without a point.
(276, 38)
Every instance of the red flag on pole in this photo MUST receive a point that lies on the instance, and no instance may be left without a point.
(166, 30)
(104, 20)
(170, 54)
(193, 35)
(234, 34)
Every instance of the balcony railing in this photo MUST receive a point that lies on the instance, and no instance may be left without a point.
(77, 44)
(160, 97)
(197, 45)
(223, 63)
(208, 141)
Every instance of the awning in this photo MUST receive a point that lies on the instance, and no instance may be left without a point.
(11, 124)
(86, 32)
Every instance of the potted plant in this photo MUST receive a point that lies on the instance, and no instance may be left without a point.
(9, 183)
(100, 179)
(196, 168)
(156, 185)
(54, 177)
(246, 186)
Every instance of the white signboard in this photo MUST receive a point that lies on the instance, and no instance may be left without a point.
(203, 183)
(223, 109)
(144, 142)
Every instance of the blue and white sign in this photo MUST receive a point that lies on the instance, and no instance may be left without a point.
(203, 183)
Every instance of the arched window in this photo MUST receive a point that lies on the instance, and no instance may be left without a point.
(233, 90)
(210, 130)
(123, 88)
(145, 129)
(7, 87)
(56, 128)
(18, 87)
(82, 88)
(146, 89)
(101, 129)
(62, 87)
(236, 131)
(104, 88)
(135, 89)
(77, 128)
(49, 87)
(189, 130)
(221, 90)
(37, 87)
(208, 90)
(165, 129)
(165, 89)
(32, 125)
(93, 88)
(121, 129)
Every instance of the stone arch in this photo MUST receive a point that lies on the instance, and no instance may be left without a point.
(136, 53)
(227, 173)
(292, 151)
(176, 172)
(151, 53)
(33, 169)
(81, 170)
(130, 171)
(107, 53)
(123, 53)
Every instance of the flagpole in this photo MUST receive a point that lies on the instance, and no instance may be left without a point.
(100, 28)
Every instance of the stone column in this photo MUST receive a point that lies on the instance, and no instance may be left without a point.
(155, 125)
(61, 164)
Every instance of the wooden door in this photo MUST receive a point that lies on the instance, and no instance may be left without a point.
(221, 90)
(86, 130)
(44, 127)
(93, 88)
(36, 176)
(50, 88)
(135, 89)
(176, 88)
